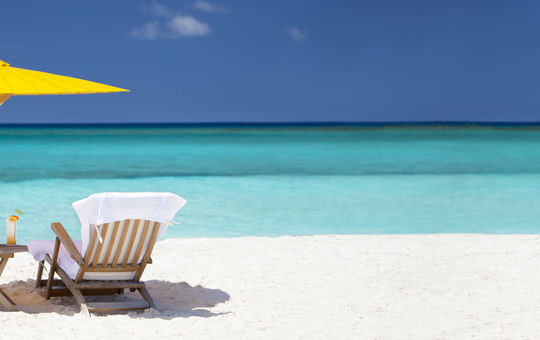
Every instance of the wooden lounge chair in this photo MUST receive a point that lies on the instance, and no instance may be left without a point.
(115, 259)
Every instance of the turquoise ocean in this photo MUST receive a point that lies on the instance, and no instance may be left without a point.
(249, 180)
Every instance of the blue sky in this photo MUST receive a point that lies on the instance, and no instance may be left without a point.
(267, 61)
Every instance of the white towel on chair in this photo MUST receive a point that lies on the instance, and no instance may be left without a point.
(117, 206)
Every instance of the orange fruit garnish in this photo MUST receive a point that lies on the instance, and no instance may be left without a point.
(13, 218)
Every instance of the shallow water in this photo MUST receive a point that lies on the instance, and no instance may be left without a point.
(282, 180)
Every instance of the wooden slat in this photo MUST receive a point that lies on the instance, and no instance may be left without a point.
(87, 255)
(131, 241)
(12, 248)
(102, 227)
(63, 291)
(121, 243)
(109, 284)
(141, 242)
(148, 252)
(112, 269)
(111, 242)
(117, 306)
(55, 283)
(90, 249)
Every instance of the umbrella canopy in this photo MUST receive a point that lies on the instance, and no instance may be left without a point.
(17, 81)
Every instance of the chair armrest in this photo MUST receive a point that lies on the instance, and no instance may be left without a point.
(64, 238)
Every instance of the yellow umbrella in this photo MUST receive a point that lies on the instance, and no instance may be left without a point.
(17, 82)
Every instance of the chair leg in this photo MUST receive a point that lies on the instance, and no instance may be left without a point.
(50, 282)
(146, 295)
(39, 273)
(77, 294)
(52, 269)
(79, 298)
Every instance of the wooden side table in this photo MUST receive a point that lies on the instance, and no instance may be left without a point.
(7, 251)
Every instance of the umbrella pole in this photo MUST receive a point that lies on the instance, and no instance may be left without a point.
(4, 97)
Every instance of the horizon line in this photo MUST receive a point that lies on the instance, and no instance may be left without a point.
(282, 124)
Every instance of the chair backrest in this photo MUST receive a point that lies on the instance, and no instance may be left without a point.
(119, 250)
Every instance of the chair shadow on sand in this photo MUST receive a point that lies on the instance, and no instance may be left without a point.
(172, 300)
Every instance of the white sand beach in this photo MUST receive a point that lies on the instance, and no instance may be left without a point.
(312, 287)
